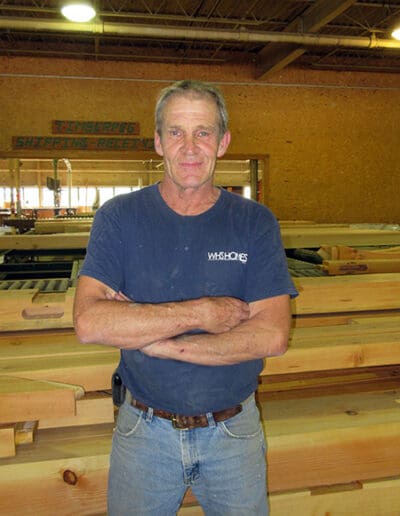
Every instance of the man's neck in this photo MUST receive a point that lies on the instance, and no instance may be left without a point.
(189, 201)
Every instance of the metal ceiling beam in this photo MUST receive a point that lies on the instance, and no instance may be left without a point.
(276, 56)
(240, 35)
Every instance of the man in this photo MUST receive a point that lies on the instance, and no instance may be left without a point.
(191, 283)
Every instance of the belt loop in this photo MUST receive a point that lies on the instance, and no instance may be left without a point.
(211, 420)
(149, 414)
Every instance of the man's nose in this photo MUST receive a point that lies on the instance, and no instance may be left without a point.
(190, 143)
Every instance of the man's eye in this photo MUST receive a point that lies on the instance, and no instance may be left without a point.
(202, 134)
(175, 132)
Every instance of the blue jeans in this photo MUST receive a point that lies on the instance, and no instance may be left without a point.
(153, 464)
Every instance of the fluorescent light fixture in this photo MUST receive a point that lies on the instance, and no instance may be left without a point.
(396, 33)
(78, 12)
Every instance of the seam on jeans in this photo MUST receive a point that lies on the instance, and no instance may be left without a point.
(236, 436)
(132, 430)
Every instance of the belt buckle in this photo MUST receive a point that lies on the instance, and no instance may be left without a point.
(177, 423)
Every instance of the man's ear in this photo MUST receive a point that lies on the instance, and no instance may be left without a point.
(157, 144)
(224, 144)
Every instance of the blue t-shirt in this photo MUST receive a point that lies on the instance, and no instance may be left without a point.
(139, 246)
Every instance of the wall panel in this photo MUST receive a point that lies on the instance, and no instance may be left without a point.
(332, 138)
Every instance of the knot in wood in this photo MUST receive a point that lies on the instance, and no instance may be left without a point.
(70, 477)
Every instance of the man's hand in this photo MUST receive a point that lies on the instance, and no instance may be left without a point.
(216, 314)
(220, 314)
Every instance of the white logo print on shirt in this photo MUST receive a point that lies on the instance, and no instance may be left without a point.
(227, 256)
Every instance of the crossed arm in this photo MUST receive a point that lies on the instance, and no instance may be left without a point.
(236, 331)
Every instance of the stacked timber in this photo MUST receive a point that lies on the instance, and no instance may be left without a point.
(294, 235)
(63, 225)
(351, 260)
(330, 405)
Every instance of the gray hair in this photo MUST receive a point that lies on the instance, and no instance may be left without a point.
(197, 89)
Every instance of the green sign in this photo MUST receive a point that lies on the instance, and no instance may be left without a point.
(82, 143)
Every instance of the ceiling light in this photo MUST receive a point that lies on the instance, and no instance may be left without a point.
(78, 12)
(396, 33)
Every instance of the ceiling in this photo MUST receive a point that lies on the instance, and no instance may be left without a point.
(269, 34)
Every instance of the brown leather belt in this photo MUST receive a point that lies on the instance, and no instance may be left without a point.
(186, 422)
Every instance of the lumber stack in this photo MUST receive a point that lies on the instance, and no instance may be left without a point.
(63, 225)
(75, 234)
(351, 260)
(330, 405)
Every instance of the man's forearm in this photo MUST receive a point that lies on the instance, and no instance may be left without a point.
(133, 325)
(104, 316)
(247, 341)
(265, 333)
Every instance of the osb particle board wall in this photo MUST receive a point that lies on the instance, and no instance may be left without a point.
(332, 138)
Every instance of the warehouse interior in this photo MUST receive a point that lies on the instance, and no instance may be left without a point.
(313, 94)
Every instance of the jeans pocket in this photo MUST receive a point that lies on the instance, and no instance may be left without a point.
(245, 425)
(128, 421)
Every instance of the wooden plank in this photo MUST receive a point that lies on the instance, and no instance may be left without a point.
(55, 241)
(322, 350)
(22, 400)
(62, 226)
(94, 409)
(22, 310)
(347, 293)
(294, 236)
(25, 432)
(340, 252)
(339, 294)
(332, 439)
(361, 266)
(92, 372)
(63, 468)
(318, 442)
(369, 498)
(33, 345)
(341, 318)
(322, 383)
(58, 356)
(7, 441)
(311, 236)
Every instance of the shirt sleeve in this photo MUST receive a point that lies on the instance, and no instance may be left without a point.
(105, 249)
(268, 273)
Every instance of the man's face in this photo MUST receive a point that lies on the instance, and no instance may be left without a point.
(190, 142)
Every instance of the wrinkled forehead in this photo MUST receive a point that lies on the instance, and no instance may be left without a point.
(191, 96)
(193, 110)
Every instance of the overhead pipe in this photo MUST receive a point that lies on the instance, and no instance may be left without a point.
(241, 35)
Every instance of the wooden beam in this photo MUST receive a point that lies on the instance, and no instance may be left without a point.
(26, 400)
(332, 439)
(7, 441)
(25, 432)
(315, 443)
(293, 236)
(339, 347)
(94, 409)
(58, 356)
(64, 468)
(369, 498)
(364, 266)
(275, 56)
(332, 294)
(298, 236)
(22, 310)
(56, 241)
(341, 252)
